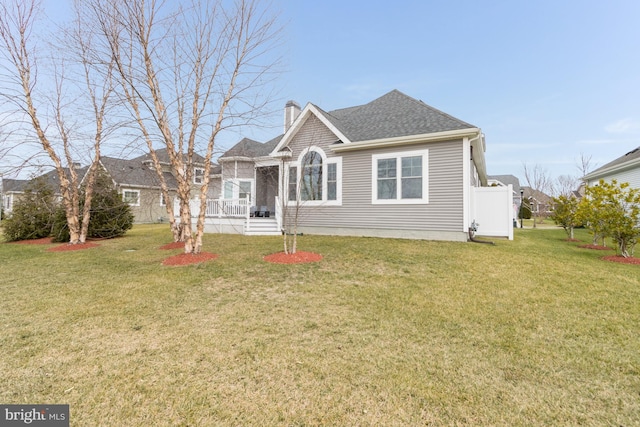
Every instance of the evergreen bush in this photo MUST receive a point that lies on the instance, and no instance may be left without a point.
(110, 215)
(33, 212)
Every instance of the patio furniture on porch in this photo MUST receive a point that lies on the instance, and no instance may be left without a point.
(262, 212)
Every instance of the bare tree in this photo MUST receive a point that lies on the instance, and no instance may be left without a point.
(584, 164)
(538, 181)
(187, 74)
(564, 185)
(52, 129)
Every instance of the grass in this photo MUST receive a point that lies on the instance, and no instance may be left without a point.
(534, 331)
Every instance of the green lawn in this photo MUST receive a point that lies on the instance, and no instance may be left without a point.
(534, 331)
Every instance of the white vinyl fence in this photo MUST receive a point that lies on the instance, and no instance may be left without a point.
(493, 211)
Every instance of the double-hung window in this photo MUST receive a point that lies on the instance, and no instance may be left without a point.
(238, 189)
(131, 197)
(198, 175)
(400, 178)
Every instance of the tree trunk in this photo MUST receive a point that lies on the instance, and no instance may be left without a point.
(88, 198)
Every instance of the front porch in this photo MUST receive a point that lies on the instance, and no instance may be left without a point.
(238, 216)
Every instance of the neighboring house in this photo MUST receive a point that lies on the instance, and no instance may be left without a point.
(623, 169)
(135, 179)
(541, 203)
(12, 189)
(505, 181)
(579, 193)
(394, 167)
(138, 183)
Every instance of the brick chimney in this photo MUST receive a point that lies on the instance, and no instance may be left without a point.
(291, 112)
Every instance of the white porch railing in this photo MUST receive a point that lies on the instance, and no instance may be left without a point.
(237, 208)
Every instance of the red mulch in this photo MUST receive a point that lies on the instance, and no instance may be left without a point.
(596, 247)
(187, 259)
(42, 241)
(571, 240)
(297, 258)
(173, 245)
(77, 247)
(621, 259)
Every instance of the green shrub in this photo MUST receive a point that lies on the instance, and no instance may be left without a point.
(110, 216)
(525, 209)
(33, 212)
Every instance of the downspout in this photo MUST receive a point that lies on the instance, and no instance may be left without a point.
(472, 234)
(474, 225)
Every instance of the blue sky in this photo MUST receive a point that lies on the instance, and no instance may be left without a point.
(546, 81)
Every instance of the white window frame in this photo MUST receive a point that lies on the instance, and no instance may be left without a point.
(235, 182)
(398, 157)
(198, 179)
(126, 190)
(163, 202)
(325, 161)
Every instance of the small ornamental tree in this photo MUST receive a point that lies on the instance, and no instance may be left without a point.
(32, 215)
(623, 217)
(591, 212)
(565, 213)
(613, 210)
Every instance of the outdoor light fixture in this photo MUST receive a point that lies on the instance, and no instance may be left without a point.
(521, 202)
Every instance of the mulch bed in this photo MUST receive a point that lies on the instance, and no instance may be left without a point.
(173, 245)
(596, 247)
(42, 241)
(621, 259)
(77, 247)
(298, 258)
(188, 259)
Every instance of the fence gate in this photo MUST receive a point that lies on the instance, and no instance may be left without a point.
(493, 210)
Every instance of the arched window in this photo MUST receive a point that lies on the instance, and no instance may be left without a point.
(314, 179)
(311, 182)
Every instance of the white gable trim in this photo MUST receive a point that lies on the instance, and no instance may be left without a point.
(308, 110)
(620, 167)
(406, 140)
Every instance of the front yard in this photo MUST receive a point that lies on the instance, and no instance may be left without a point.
(534, 331)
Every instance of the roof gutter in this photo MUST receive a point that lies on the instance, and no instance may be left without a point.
(478, 147)
(615, 168)
(406, 140)
(235, 158)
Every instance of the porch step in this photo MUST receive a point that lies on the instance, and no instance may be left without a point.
(262, 227)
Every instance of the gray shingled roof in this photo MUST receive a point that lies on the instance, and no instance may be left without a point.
(506, 180)
(15, 185)
(51, 178)
(250, 148)
(631, 155)
(392, 115)
(134, 173)
(163, 157)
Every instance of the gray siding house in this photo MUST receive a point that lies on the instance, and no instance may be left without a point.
(138, 183)
(394, 167)
(623, 169)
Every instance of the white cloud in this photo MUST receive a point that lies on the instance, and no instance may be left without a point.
(623, 126)
(597, 141)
